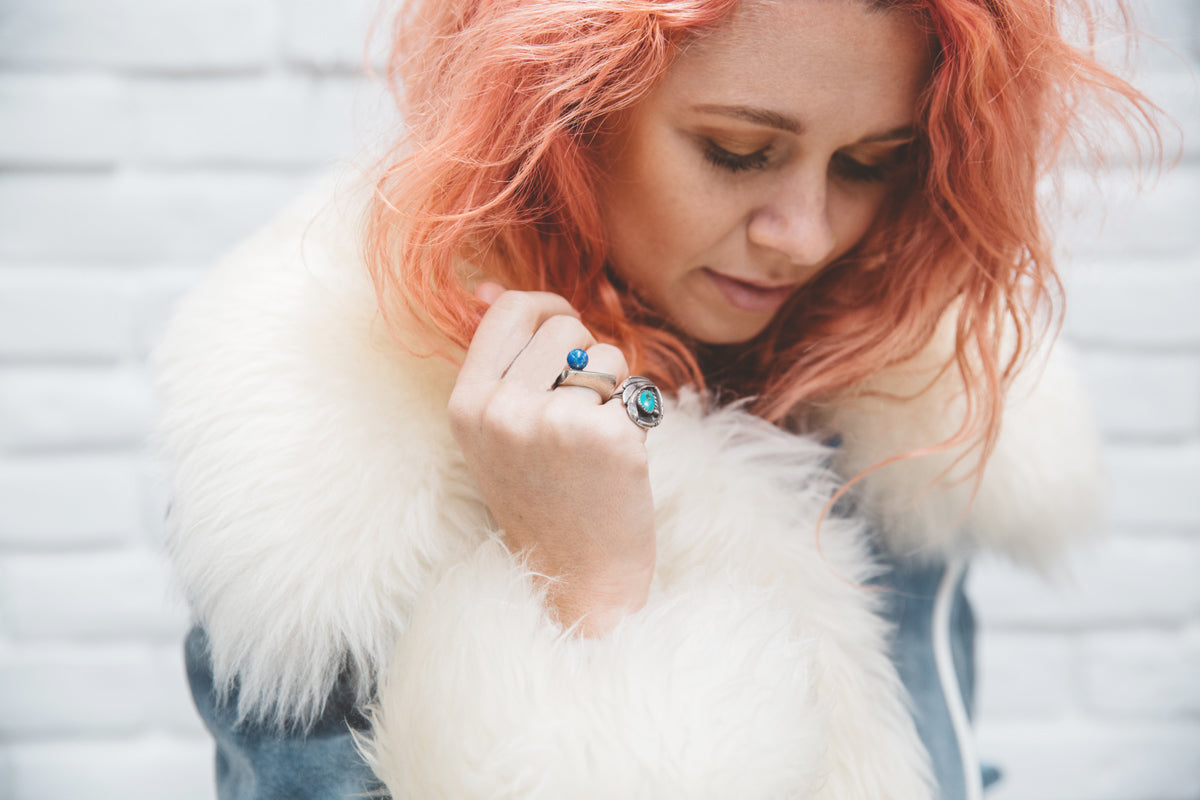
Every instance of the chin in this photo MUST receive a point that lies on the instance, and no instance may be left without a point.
(718, 334)
(704, 316)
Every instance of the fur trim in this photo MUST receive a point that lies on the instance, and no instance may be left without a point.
(305, 518)
(757, 669)
(1041, 490)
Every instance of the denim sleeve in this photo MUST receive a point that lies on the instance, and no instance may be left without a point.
(259, 762)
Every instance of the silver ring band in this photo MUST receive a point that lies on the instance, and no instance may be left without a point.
(601, 383)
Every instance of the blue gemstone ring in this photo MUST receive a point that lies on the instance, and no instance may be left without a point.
(642, 400)
(577, 359)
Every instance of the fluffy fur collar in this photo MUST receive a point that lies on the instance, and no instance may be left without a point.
(320, 510)
(1041, 490)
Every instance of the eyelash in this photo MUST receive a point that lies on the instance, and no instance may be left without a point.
(851, 170)
(843, 166)
(734, 162)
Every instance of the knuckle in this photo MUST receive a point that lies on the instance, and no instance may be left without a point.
(562, 422)
(630, 438)
(521, 303)
(605, 435)
(609, 358)
(461, 411)
(567, 328)
(504, 416)
(513, 302)
(553, 301)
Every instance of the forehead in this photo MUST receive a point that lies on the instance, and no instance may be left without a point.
(808, 56)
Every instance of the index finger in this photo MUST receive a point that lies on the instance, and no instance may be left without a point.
(506, 329)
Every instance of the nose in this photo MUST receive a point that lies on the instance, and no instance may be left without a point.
(794, 222)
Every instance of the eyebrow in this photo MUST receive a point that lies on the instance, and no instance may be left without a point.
(905, 133)
(759, 116)
(790, 124)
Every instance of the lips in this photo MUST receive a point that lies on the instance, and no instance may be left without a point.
(748, 296)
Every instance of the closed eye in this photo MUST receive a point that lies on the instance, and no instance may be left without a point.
(734, 162)
(879, 167)
(853, 170)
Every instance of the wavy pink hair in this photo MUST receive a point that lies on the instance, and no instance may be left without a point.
(505, 101)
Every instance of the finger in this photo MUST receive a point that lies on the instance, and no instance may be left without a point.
(546, 354)
(602, 358)
(505, 330)
(617, 415)
(607, 358)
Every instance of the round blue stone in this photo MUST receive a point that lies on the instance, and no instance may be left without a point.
(646, 401)
(577, 359)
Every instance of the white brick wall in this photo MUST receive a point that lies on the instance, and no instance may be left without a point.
(140, 138)
(1090, 685)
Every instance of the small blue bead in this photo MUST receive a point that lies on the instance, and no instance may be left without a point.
(577, 359)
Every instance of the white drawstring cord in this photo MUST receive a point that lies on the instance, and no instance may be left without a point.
(948, 677)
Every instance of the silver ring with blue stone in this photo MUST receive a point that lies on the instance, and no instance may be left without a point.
(601, 383)
(642, 400)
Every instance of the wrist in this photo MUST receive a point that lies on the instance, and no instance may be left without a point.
(597, 604)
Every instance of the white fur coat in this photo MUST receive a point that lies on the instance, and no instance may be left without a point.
(322, 519)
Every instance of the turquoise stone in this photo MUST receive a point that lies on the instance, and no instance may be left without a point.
(646, 401)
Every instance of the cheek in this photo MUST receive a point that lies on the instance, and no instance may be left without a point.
(662, 208)
(852, 214)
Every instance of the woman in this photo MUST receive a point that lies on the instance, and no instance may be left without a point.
(405, 473)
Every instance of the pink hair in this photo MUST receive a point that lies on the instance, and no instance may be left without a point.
(504, 101)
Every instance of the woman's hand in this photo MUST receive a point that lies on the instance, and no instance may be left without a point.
(564, 475)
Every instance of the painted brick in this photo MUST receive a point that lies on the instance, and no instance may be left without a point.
(1149, 43)
(57, 502)
(63, 407)
(72, 690)
(331, 35)
(90, 596)
(1170, 28)
(57, 313)
(159, 292)
(1144, 394)
(1136, 302)
(143, 768)
(135, 217)
(1107, 215)
(1123, 138)
(1144, 673)
(1155, 485)
(93, 689)
(155, 500)
(1026, 676)
(293, 120)
(139, 34)
(1160, 40)
(77, 120)
(171, 709)
(1176, 92)
(1124, 581)
(1195, 52)
(1094, 759)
